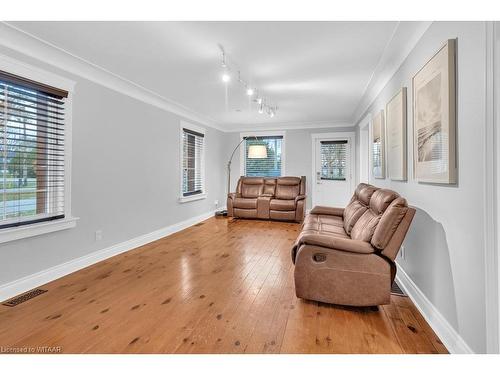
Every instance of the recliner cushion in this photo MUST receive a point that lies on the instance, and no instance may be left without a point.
(352, 213)
(252, 187)
(365, 226)
(287, 187)
(389, 222)
(245, 203)
(282, 205)
(364, 192)
(381, 199)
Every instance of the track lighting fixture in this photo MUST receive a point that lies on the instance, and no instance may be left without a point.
(250, 91)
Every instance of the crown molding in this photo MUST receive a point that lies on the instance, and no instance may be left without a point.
(30, 45)
(405, 37)
(286, 126)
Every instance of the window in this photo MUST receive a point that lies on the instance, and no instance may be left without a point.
(193, 143)
(32, 152)
(333, 160)
(270, 166)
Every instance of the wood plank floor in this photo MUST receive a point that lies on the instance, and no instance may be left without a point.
(222, 286)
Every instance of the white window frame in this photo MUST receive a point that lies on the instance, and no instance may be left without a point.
(27, 71)
(198, 129)
(267, 133)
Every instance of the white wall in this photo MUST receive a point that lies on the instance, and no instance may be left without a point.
(298, 149)
(445, 245)
(125, 178)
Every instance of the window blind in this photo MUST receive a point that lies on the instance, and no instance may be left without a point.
(270, 166)
(333, 160)
(31, 151)
(192, 162)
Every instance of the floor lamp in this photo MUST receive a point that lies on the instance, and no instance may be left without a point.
(254, 152)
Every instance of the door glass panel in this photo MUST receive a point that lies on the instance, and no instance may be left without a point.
(333, 156)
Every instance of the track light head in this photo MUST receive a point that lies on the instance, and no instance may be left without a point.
(226, 77)
(250, 91)
(261, 109)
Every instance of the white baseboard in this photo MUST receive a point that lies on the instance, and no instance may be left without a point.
(446, 333)
(26, 283)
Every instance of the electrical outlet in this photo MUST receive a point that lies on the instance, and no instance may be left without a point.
(98, 235)
(402, 252)
(216, 202)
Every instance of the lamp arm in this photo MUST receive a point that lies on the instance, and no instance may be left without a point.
(229, 163)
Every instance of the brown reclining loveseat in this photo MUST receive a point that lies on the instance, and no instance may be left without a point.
(346, 256)
(281, 198)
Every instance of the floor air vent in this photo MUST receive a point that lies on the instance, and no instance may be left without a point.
(395, 289)
(198, 225)
(23, 297)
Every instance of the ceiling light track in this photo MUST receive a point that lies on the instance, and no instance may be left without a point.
(263, 103)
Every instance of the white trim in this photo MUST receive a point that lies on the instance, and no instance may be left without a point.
(491, 184)
(30, 45)
(267, 133)
(24, 284)
(20, 68)
(446, 333)
(198, 129)
(351, 138)
(366, 122)
(36, 74)
(404, 39)
(496, 125)
(25, 231)
(233, 128)
(191, 198)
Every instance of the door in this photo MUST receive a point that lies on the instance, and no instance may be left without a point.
(332, 183)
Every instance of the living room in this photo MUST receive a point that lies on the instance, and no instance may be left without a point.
(202, 187)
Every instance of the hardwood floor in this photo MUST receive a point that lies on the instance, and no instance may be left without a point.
(222, 286)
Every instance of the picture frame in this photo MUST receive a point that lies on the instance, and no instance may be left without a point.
(396, 128)
(434, 118)
(378, 145)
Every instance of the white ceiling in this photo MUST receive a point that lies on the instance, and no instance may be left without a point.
(316, 72)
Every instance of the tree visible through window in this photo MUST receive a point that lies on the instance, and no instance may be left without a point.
(31, 150)
(270, 166)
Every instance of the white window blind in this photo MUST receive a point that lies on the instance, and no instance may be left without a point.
(192, 162)
(333, 160)
(270, 166)
(31, 151)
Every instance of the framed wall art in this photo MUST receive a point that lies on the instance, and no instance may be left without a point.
(434, 118)
(378, 145)
(395, 122)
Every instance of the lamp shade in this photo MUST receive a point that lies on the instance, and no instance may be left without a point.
(257, 152)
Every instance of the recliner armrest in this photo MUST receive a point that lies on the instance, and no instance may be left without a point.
(336, 243)
(299, 197)
(233, 195)
(323, 210)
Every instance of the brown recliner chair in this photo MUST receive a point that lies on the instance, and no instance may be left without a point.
(346, 256)
(281, 198)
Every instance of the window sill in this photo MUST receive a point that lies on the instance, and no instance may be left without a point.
(17, 233)
(192, 198)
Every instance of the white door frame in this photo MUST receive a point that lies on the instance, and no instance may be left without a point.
(365, 125)
(351, 138)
